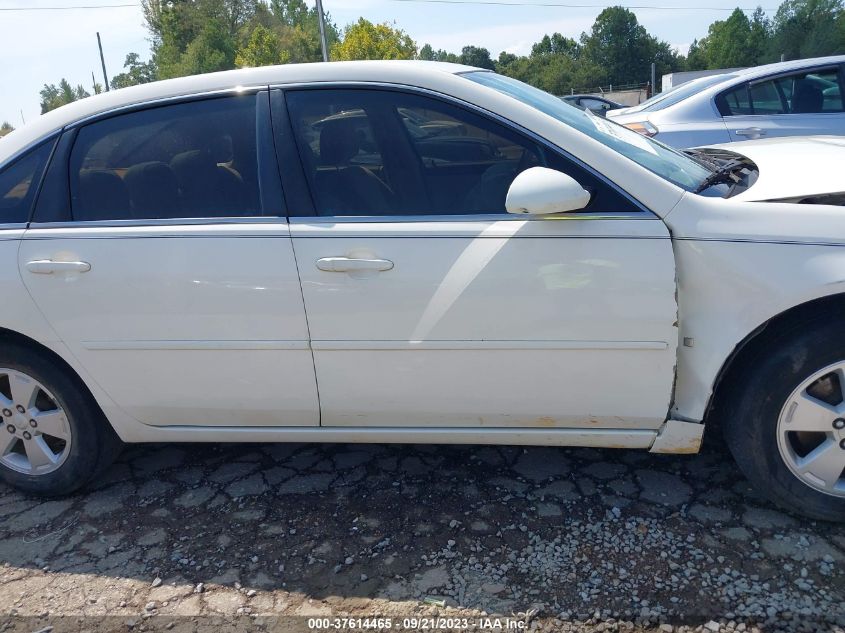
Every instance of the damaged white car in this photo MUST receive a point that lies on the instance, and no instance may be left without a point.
(413, 252)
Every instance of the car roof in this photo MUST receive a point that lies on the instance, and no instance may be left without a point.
(779, 67)
(408, 72)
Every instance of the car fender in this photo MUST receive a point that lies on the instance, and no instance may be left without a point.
(739, 265)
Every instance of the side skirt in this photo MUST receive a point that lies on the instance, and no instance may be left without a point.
(599, 438)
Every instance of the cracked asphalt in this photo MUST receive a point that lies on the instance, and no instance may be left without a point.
(262, 537)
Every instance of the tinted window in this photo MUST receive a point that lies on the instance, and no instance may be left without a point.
(370, 152)
(189, 160)
(809, 93)
(735, 102)
(801, 93)
(18, 184)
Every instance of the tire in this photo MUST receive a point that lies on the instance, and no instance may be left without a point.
(764, 408)
(81, 442)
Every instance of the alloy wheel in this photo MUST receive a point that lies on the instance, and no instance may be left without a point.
(35, 437)
(811, 430)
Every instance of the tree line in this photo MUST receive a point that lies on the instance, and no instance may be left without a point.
(198, 36)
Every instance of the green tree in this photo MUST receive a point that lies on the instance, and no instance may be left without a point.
(211, 51)
(476, 56)
(137, 72)
(735, 42)
(365, 40)
(759, 37)
(808, 28)
(195, 36)
(727, 42)
(5, 128)
(556, 44)
(622, 51)
(299, 29)
(505, 60)
(429, 54)
(53, 96)
(264, 48)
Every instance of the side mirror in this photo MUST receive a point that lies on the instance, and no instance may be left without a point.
(543, 191)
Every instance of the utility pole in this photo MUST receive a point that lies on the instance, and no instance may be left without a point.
(103, 62)
(23, 119)
(653, 79)
(322, 20)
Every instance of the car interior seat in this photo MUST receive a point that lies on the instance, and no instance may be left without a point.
(344, 188)
(153, 190)
(101, 195)
(207, 188)
(807, 98)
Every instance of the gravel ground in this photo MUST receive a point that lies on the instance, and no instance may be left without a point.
(214, 538)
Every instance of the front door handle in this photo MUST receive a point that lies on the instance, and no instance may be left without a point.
(48, 267)
(751, 132)
(353, 264)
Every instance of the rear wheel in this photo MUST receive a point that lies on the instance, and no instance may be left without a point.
(53, 436)
(784, 421)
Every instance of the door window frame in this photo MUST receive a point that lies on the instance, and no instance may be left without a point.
(301, 207)
(57, 174)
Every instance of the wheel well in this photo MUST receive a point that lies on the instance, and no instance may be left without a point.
(10, 336)
(757, 341)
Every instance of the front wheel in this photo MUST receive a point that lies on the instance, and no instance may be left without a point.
(784, 421)
(53, 436)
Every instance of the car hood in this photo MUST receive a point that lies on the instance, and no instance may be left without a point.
(792, 169)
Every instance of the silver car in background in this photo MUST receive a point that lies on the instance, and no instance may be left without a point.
(797, 98)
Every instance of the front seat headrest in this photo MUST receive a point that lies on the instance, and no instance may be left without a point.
(339, 141)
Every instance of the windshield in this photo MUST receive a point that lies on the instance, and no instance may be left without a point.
(673, 96)
(656, 157)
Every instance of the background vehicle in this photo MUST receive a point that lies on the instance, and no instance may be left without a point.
(412, 252)
(796, 98)
(596, 105)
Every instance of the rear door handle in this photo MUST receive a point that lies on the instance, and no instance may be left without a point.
(48, 267)
(352, 264)
(751, 131)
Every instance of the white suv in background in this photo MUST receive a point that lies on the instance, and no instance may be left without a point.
(797, 98)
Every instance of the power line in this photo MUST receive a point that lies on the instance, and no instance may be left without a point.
(507, 3)
(577, 6)
(71, 8)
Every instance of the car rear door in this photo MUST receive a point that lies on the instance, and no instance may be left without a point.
(429, 306)
(802, 103)
(160, 253)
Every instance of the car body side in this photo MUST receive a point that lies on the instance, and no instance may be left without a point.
(738, 265)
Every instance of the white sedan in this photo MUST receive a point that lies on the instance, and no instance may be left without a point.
(413, 252)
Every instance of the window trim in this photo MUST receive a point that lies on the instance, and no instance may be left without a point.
(719, 99)
(266, 170)
(642, 212)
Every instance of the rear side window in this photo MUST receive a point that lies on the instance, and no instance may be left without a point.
(188, 160)
(391, 153)
(18, 184)
(813, 92)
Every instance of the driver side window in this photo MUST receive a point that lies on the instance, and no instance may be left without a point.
(386, 153)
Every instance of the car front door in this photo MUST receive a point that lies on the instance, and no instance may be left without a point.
(797, 104)
(160, 254)
(429, 306)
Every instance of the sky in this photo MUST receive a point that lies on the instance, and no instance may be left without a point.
(42, 46)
